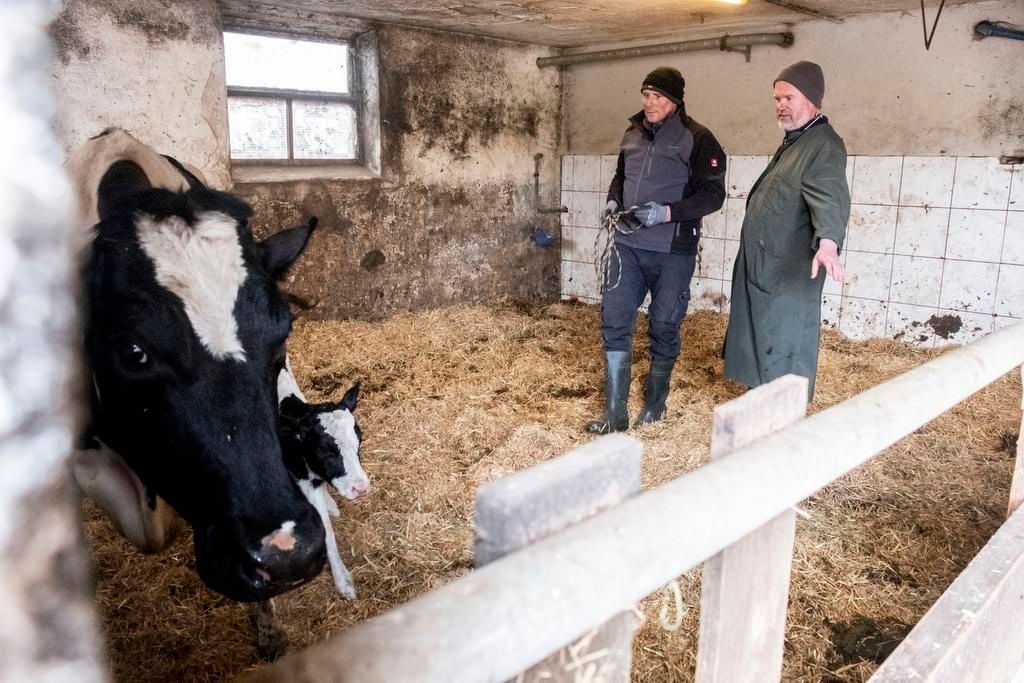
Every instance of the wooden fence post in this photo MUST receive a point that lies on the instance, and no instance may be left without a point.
(48, 631)
(524, 508)
(1017, 486)
(745, 588)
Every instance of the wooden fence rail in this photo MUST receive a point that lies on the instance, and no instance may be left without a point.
(507, 616)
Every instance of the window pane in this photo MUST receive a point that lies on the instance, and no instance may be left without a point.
(324, 130)
(262, 62)
(258, 128)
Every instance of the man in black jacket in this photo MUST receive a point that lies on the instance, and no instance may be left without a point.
(671, 173)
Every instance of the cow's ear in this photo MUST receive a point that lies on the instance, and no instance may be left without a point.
(122, 179)
(292, 407)
(351, 397)
(281, 249)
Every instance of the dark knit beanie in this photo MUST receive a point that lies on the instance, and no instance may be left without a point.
(666, 80)
(808, 78)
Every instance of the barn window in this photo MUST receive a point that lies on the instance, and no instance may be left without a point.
(297, 102)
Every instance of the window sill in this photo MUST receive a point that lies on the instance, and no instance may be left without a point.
(284, 174)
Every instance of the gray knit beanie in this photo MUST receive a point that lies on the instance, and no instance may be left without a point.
(808, 78)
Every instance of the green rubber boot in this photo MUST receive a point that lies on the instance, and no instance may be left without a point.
(616, 392)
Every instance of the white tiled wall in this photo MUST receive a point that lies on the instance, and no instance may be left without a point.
(934, 251)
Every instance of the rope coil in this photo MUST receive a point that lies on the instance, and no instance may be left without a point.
(610, 252)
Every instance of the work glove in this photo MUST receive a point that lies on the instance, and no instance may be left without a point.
(651, 213)
(611, 207)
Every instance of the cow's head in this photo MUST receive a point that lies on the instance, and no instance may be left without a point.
(185, 335)
(327, 437)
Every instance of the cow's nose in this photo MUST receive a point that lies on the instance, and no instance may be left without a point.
(361, 487)
(286, 557)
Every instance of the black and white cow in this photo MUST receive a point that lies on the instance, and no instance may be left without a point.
(185, 339)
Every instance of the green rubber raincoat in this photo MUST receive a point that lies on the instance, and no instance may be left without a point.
(775, 318)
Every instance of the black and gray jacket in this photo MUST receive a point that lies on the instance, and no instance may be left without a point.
(680, 164)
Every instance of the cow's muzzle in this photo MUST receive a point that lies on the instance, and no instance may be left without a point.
(279, 561)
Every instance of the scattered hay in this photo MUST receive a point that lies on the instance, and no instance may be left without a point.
(458, 397)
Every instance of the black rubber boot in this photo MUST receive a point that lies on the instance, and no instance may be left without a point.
(656, 391)
(616, 394)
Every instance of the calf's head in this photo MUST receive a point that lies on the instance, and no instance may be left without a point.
(185, 335)
(326, 437)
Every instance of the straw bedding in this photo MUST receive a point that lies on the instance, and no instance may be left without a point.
(457, 397)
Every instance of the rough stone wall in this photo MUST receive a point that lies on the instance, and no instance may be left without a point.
(885, 93)
(151, 67)
(448, 221)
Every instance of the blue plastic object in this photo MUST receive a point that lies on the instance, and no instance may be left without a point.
(542, 238)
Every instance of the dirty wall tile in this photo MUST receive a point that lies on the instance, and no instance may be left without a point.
(1017, 188)
(585, 209)
(735, 210)
(711, 257)
(732, 248)
(867, 275)
(608, 163)
(579, 280)
(862, 318)
(1001, 321)
(1013, 238)
(921, 231)
(830, 306)
(876, 180)
(713, 225)
(567, 164)
(981, 183)
(927, 181)
(959, 327)
(1010, 291)
(587, 173)
(969, 286)
(916, 280)
(743, 171)
(975, 235)
(871, 228)
(911, 324)
(568, 200)
(705, 294)
(582, 244)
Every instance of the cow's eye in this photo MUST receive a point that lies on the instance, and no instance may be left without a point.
(136, 355)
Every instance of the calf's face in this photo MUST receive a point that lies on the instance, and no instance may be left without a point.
(185, 336)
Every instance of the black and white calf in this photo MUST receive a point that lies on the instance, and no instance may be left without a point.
(321, 444)
(185, 339)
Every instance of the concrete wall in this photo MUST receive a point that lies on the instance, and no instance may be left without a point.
(885, 94)
(151, 67)
(461, 121)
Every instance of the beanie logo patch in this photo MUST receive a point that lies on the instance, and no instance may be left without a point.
(714, 162)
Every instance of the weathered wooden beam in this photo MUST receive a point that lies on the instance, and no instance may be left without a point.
(1017, 484)
(975, 631)
(745, 588)
(554, 590)
(48, 628)
(526, 507)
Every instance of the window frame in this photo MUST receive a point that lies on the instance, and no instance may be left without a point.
(354, 97)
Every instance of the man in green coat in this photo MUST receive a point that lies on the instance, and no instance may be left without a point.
(792, 233)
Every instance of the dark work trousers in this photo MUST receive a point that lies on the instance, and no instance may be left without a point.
(667, 278)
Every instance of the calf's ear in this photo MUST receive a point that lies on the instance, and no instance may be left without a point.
(281, 249)
(348, 401)
(122, 179)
